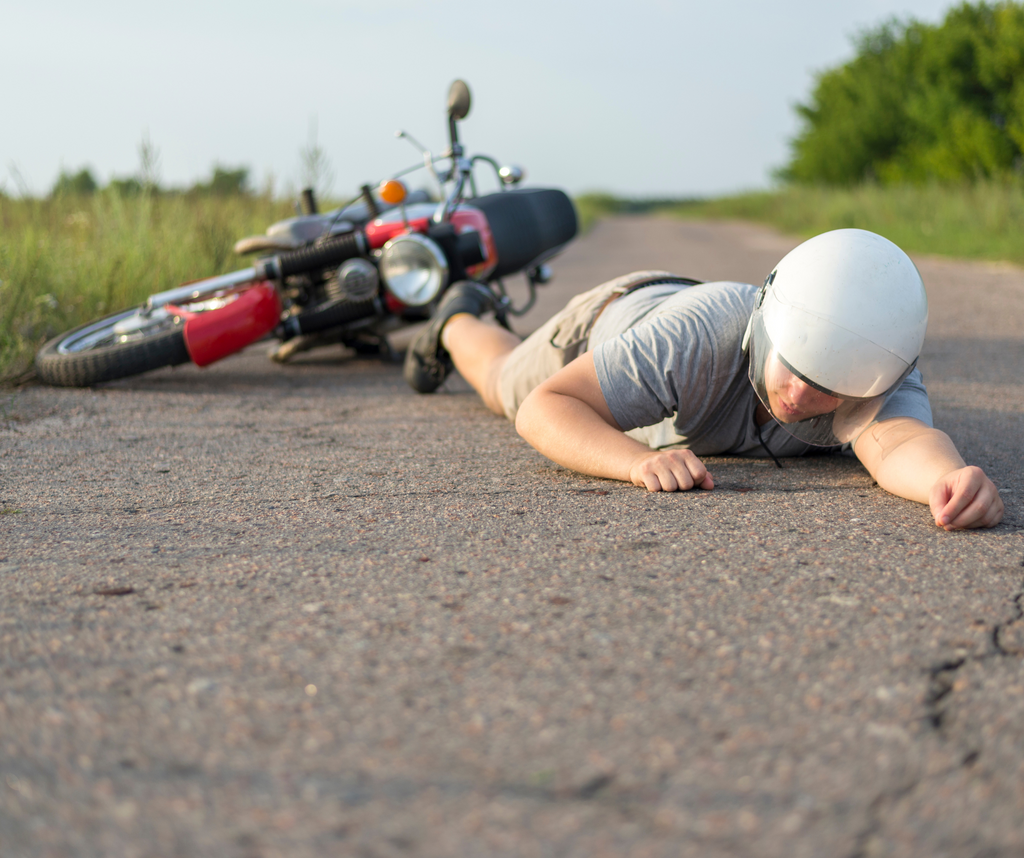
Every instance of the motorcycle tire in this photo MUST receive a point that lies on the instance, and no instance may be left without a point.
(93, 353)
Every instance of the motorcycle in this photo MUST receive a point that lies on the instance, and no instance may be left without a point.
(353, 275)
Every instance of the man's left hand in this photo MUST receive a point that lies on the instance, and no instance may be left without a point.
(966, 498)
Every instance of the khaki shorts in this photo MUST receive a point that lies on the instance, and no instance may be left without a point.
(561, 339)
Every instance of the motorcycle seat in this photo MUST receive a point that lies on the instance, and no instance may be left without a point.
(529, 225)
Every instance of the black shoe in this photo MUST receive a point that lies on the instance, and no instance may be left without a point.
(427, 364)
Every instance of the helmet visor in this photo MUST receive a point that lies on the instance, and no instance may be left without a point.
(805, 410)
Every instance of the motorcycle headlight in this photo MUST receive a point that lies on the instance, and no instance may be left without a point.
(414, 269)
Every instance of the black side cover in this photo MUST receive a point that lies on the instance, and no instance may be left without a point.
(528, 224)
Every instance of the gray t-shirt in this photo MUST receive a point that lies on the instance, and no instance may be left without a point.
(671, 367)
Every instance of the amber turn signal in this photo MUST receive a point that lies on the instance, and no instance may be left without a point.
(392, 191)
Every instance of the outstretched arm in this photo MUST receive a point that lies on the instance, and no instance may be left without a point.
(568, 420)
(914, 461)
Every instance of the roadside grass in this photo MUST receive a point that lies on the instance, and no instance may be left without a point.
(591, 207)
(982, 220)
(67, 260)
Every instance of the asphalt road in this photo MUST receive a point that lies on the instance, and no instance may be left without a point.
(258, 610)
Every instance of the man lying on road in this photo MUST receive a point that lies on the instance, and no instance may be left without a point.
(639, 377)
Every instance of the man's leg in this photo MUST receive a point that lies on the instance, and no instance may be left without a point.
(427, 362)
(479, 350)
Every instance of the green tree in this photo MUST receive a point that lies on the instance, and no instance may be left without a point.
(78, 184)
(224, 183)
(129, 187)
(919, 103)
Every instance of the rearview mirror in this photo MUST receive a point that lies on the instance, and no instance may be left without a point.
(458, 100)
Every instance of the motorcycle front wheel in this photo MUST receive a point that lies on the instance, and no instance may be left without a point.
(124, 344)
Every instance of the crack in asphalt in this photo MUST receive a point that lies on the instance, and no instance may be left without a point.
(862, 842)
(1018, 602)
(942, 676)
(937, 702)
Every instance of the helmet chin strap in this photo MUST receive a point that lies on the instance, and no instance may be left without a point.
(768, 449)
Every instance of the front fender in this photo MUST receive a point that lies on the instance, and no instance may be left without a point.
(218, 333)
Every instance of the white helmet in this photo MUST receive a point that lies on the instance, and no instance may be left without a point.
(845, 313)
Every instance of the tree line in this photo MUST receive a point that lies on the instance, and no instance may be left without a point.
(223, 182)
(920, 103)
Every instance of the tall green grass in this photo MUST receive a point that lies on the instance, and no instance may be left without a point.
(66, 260)
(981, 220)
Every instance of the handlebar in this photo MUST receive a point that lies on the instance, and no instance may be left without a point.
(333, 251)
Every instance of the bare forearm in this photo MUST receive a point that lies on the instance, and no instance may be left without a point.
(907, 458)
(914, 461)
(568, 420)
(572, 434)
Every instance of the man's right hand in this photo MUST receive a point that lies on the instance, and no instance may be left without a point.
(568, 420)
(670, 471)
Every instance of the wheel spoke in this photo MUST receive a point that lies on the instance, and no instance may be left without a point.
(102, 334)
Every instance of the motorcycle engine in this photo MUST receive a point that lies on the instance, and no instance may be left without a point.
(355, 280)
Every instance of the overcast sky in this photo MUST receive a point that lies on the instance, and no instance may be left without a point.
(651, 98)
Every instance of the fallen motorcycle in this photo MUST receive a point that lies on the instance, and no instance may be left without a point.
(353, 275)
